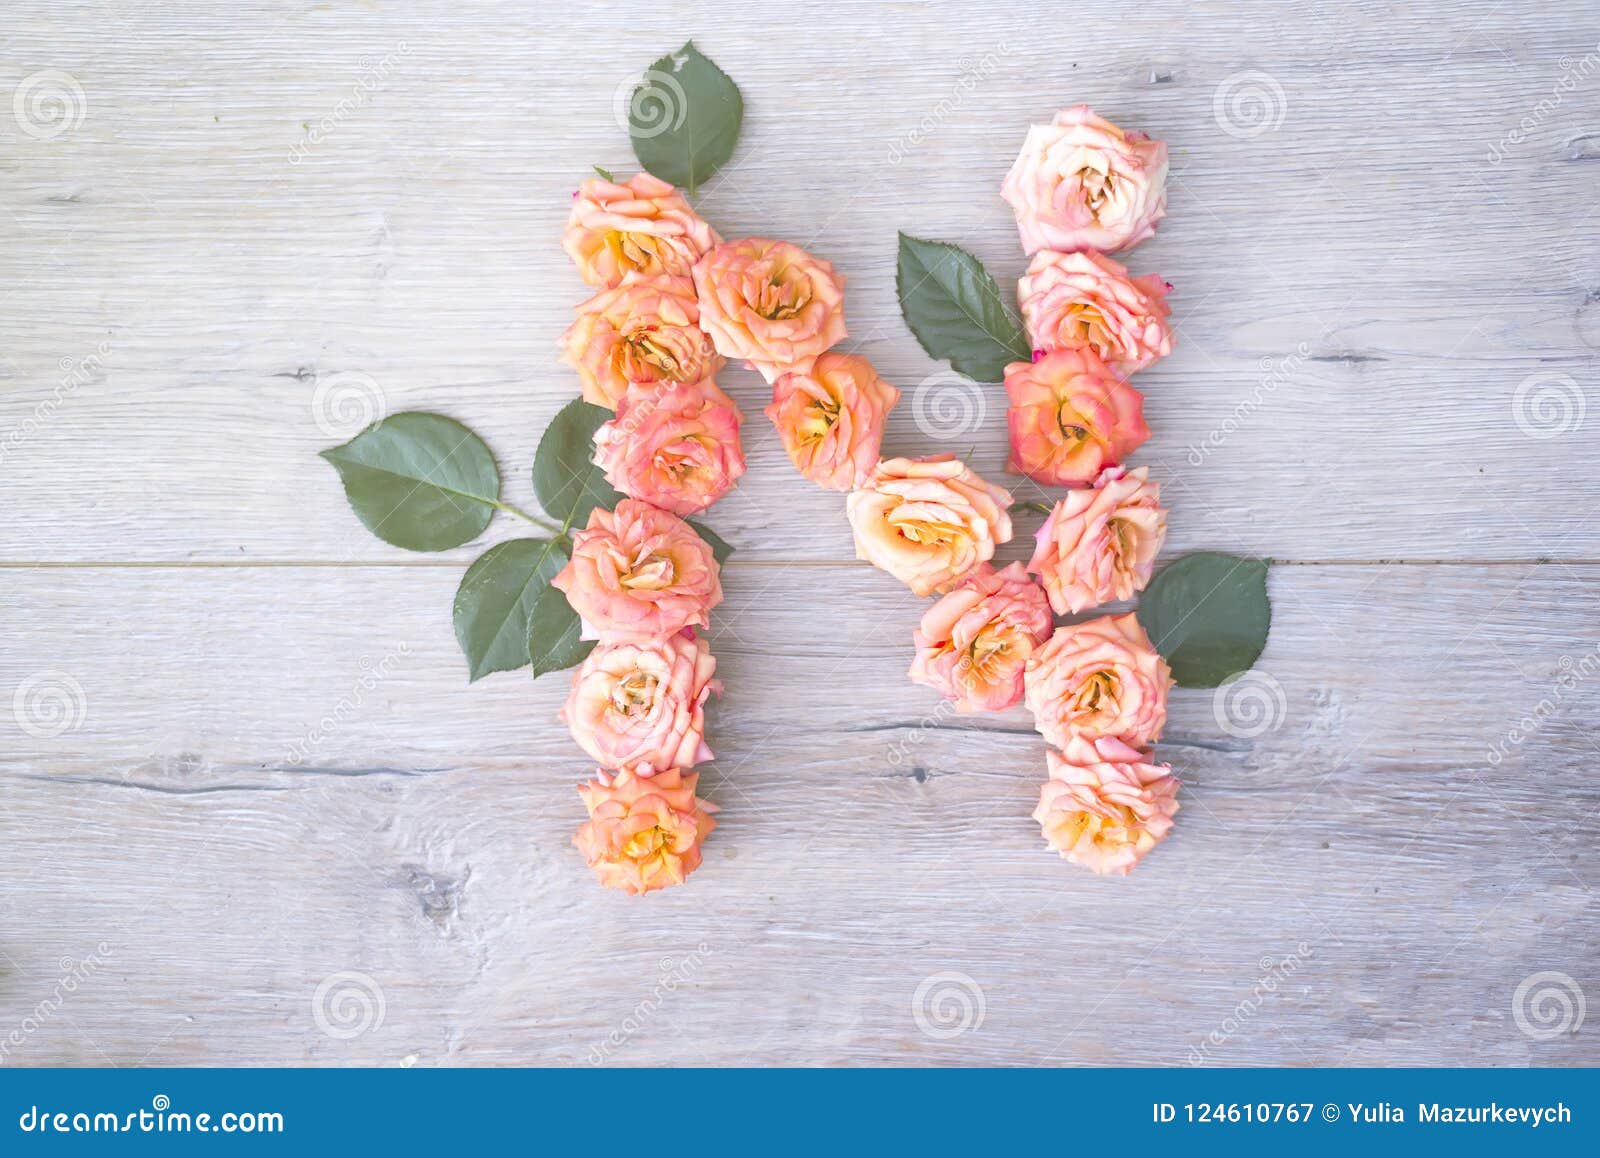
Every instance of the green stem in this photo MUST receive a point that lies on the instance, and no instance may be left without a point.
(560, 532)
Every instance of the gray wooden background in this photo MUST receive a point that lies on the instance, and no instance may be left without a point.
(254, 813)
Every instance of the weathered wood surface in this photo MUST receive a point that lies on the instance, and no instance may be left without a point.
(272, 773)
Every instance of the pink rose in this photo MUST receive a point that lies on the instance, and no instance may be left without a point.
(770, 303)
(831, 418)
(645, 331)
(642, 226)
(1104, 807)
(1098, 678)
(640, 707)
(675, 446)
(643, 833)
(1083, 183)
(1070, 418)
(1100, 543)
(1074, 301)
(639, 573)
(927, 521)
(973, 644)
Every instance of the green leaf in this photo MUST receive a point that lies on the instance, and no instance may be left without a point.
(420, 481)
(954, 308)
(1208, 614)
(553, 629)
(683, 118)
(606, 173)
(565, 478)
(720, 550)
(496, 600)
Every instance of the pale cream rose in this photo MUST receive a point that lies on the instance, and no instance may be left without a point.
(928, 521)
(643, 332)
(640, 707)
(639, 226)
(770, 303)
(831, 418)
(1083, 183)
(1076, 301)
(1100, 543)
(1105, 806)
(1098, 678)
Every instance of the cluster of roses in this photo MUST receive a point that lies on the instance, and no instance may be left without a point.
(675, 301)
(1097, 689)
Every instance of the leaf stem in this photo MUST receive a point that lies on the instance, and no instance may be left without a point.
(522, 514)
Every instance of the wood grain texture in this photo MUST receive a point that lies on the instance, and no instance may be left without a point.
(271, 774)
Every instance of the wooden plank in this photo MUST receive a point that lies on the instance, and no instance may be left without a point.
(869, 841)
(230, 268)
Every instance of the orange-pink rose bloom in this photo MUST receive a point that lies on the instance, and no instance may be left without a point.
(928, 521)
(641, 226)
(973, 644)
(770, 303)
(1104, 806)
(831, 418)
(1082, 183)
(638, 573)
(1076, 301)
(645, 331)
(1098, 678)
(640, 707)
(1100, 543)
(643, 834)
(675, 446)
(1070, 417)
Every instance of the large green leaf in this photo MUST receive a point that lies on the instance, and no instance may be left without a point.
(954, 308)
(496, 600)
(565, 478)
(720, 550)
(683, 118)
(420, 481)
(553, 631)
(1208, 614)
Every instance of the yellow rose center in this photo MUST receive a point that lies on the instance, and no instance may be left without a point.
(645, 355)
(646, 844)
(637, 251)
(634, 695)
(1082, 325)
(1101, 831)
(782, 296)
(1070, 423)
(651, 573)
(1099, 188)
(819, 417)
(1096, 696)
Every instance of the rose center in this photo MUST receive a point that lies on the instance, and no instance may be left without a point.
(820, 417)
(643, 349)
(780, 297)
(634, 694)
(647, 844)
(1096, 696)
(1082, 325)
(1099, 188)
(652, 573)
